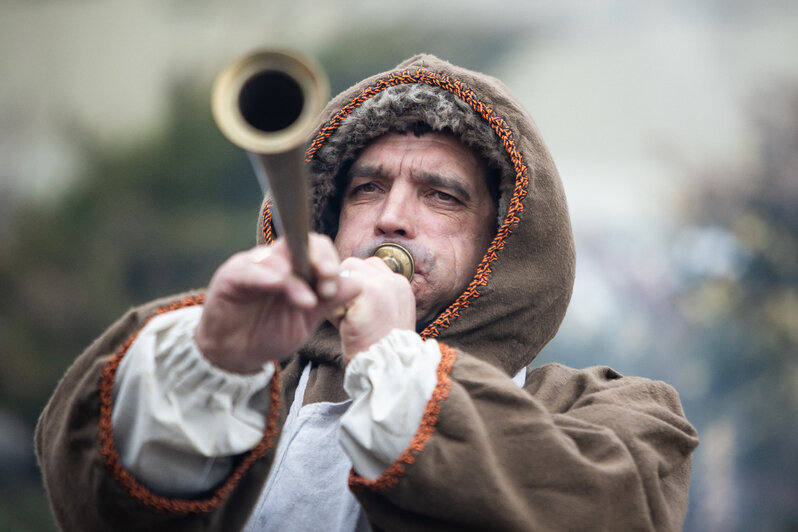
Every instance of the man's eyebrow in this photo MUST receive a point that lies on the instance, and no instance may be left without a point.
(452, 183)
(365, 171)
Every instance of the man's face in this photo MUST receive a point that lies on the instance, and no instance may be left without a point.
(428, 194)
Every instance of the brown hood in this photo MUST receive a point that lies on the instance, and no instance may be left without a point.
(518, 297)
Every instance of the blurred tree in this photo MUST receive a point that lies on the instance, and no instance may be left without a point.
(145, 220)
(744, 318)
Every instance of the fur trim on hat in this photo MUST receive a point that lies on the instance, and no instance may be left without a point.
(398, 108)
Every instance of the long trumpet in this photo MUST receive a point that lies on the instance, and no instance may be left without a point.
(267, 103)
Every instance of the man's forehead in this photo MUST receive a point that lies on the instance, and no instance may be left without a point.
(442, 140)
(433, 156)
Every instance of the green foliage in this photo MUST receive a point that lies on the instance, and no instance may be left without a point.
(24, 508)
(746, 325)
(145, 220)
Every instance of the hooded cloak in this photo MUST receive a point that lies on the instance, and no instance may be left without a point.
(575, 449)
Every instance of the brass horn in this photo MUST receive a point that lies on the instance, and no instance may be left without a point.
(268, 103)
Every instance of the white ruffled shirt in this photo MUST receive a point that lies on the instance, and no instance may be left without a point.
(178, 419)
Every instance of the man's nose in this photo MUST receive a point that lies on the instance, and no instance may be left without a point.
(396, 216)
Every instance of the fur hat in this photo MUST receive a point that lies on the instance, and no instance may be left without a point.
(400, 108)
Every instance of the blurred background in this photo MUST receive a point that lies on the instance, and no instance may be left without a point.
(675, 129)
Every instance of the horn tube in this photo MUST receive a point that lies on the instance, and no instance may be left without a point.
(268, 103)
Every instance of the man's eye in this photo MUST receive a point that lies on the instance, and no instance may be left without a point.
(364, 188)
(444, 197)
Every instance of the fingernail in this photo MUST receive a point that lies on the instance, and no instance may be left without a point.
(327, 288)
(306, 299)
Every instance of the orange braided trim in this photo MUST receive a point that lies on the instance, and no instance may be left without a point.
(390, 477)
(505, 134)
(139, 492)
(266, 224)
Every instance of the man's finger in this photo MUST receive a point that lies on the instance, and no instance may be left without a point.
(350, 285)
(324, 260)
(299, 294)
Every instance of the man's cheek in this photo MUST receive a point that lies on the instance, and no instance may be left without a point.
(343, 242)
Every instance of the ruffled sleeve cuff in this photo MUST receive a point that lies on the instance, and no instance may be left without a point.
(390, 385)
(173, 410)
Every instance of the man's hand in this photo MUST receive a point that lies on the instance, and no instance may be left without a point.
(384, 302)
(256, 309)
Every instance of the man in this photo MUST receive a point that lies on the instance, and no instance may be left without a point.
(364, 401)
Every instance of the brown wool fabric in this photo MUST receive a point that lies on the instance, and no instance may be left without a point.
(573, 450)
